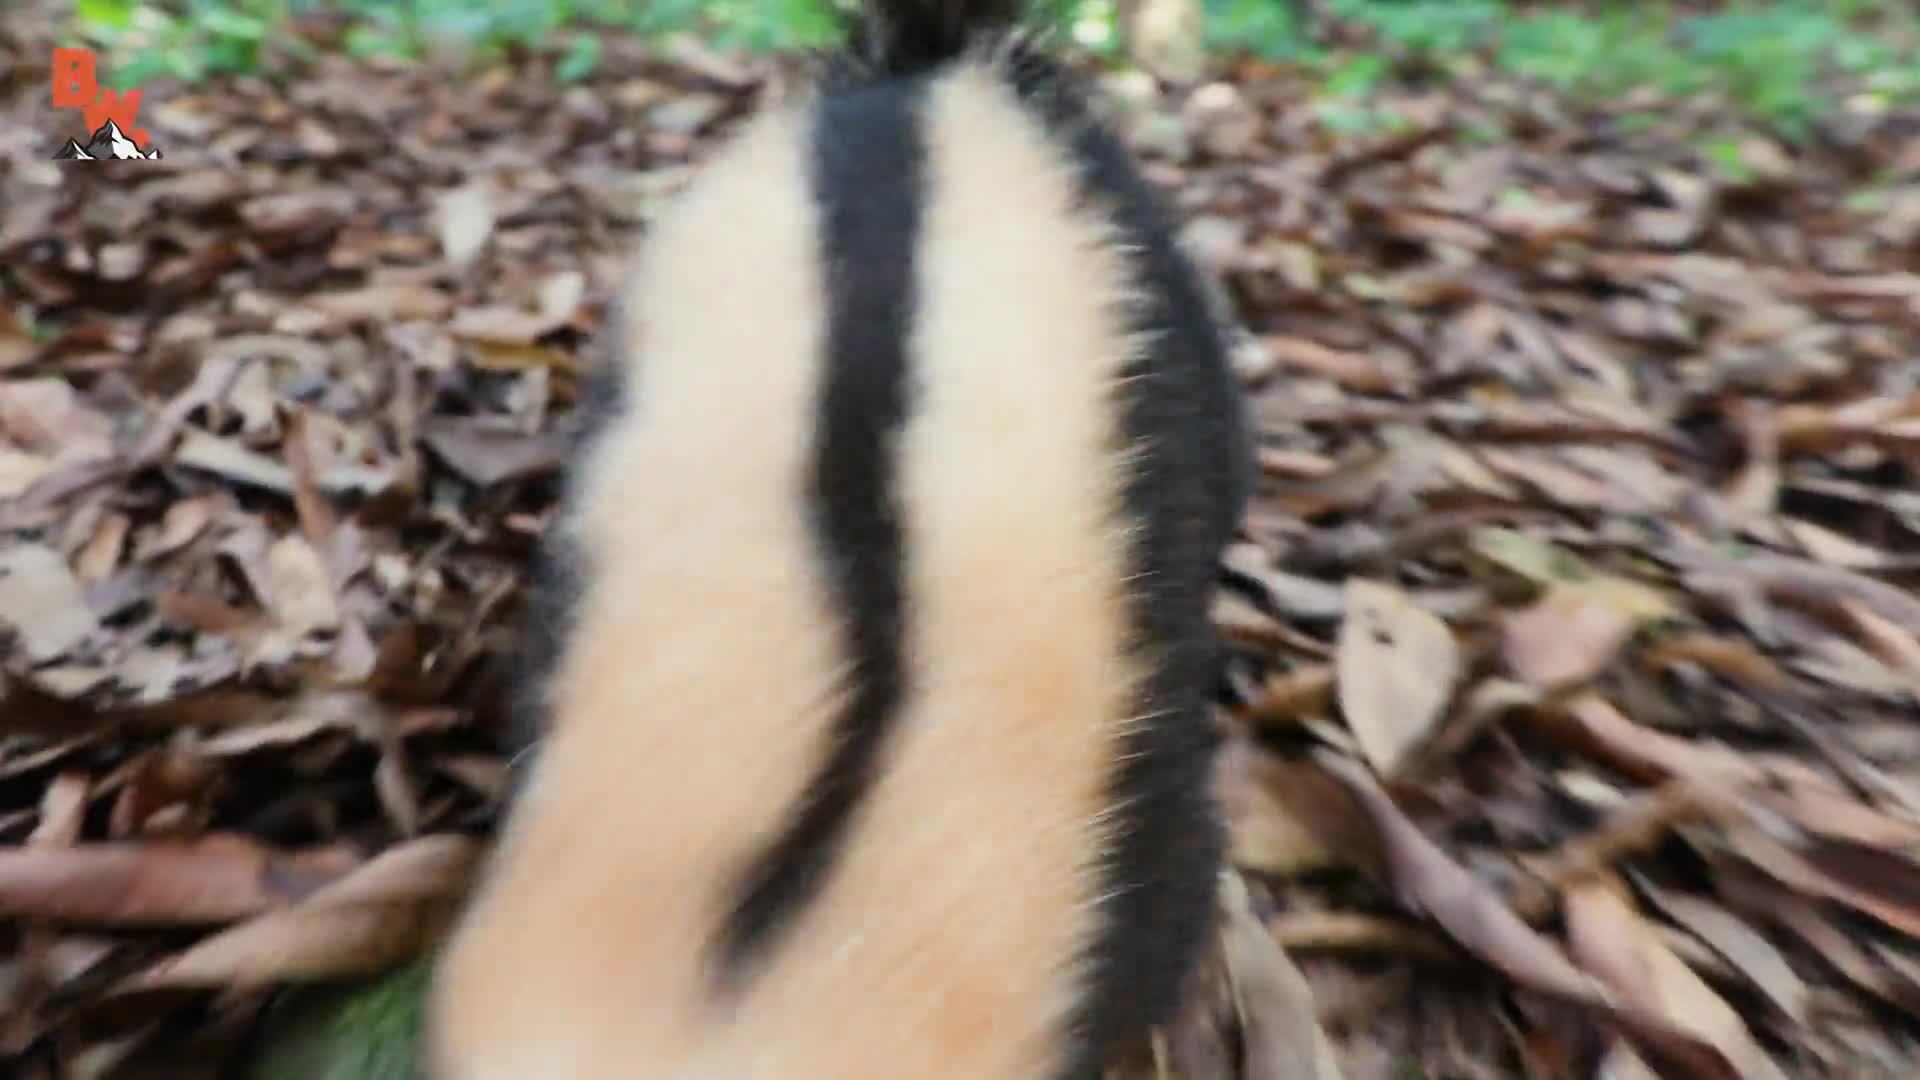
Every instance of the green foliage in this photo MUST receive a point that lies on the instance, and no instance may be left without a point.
(191, 39)
(1436, 26)
(1780, 59)
(1269, 29)
(363, 1030)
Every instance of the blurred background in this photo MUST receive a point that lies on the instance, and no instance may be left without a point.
(1783, 59)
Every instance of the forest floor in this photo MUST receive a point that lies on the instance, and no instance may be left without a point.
(1575, 697)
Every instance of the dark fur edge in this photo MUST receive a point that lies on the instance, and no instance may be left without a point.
(560, 570)
(1181, 406)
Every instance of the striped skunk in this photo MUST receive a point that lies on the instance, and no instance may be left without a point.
(874, 652)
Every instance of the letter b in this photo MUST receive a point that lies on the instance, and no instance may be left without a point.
(74, 86)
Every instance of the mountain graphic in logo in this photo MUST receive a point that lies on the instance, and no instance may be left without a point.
(108, 142)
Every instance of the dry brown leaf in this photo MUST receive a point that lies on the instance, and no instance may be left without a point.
(1355, 371)
(213, 879)
(561, 295)
(1837, 814)
(1283, 1038)
(1397, 668)
(48, 417)
(16, 344)
(1290, 695)
(1476, 917)
(487, 455)
(299, 588)
(99, 557)
(1737, 660)
(1745, 948)
(1893, 644)
(1347, 485)
(362, 923)
(226, 458)
(20, 470)
(1263, 836)
(1836, 549)
(1609, 938)
(465, 218)
(1431, 884)
(503, 325)
(1571, 634)
(42, 602)
(62, 811)
(1878, 883)
(1651, 754)
(1766, 899)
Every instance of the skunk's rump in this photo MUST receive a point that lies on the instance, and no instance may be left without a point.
(877, 660)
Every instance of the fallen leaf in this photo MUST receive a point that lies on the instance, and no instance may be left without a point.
(1608, 937)
(1577, 629)
(1745, 948)
(213, 879)
(363, 922)
(465, 219)
(42, 602)
(486, 455)
(1397, 668)
(1284, 1040)
(300, 590)
(1263, 834)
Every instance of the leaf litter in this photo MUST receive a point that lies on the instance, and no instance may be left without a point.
(1573, 673)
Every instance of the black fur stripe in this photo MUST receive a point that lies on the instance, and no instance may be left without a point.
(867, 181)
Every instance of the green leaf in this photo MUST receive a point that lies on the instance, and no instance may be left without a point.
(364, 1030)
(106, 14)
(1357, 76)
(1346, 119)
(1724, 152)
(581, 58)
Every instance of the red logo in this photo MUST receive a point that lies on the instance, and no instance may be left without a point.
(112, 116)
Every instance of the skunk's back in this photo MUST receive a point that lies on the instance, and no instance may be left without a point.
(879, 741)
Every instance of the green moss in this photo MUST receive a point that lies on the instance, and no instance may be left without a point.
(368, 1030)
